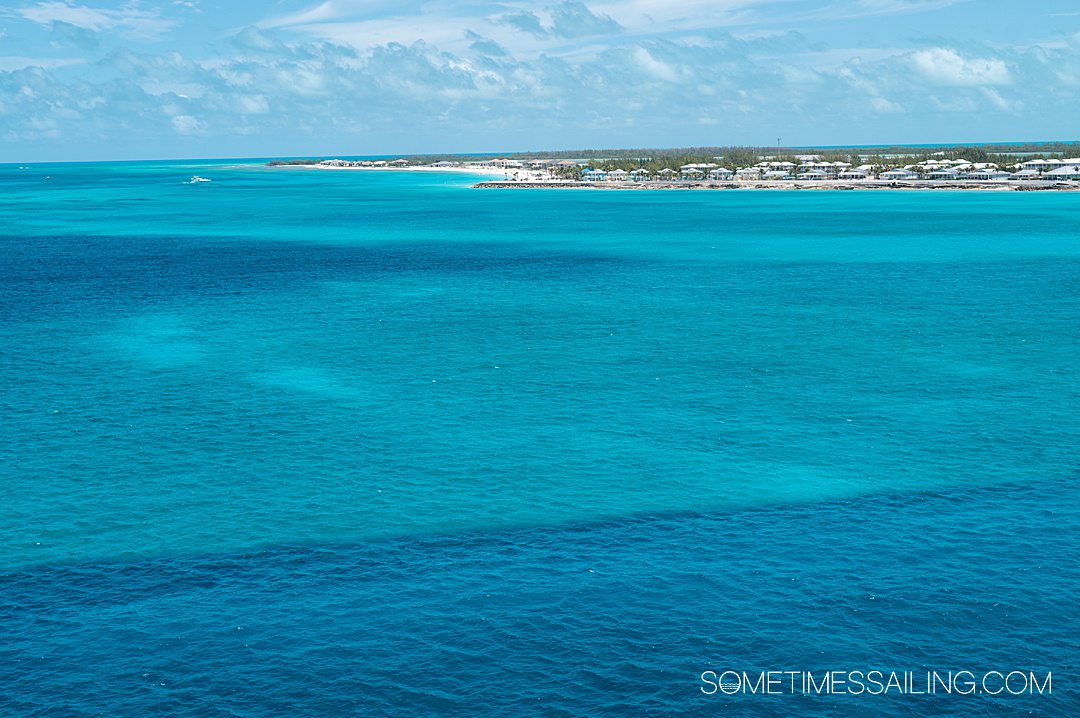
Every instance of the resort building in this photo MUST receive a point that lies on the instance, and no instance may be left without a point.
(944, 174)
(502, 163)
(1063, 173)
(899, 174)
(1035, 165)
(720, 173)
(830, 169)
(987, 174)
(776, 166)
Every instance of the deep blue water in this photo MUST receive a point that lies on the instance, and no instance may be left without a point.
(300, 442)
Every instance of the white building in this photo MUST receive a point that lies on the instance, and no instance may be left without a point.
(899, 174)
(1067, 172)
(987, 174)
(1036, 165)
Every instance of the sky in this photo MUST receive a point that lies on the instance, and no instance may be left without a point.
(135, 79)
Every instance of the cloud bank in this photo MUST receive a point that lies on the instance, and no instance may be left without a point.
(344, 76)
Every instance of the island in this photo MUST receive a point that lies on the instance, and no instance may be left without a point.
(1019, 167)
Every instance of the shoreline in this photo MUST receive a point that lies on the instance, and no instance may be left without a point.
(532, 179)
(482, 171)
(835, 186)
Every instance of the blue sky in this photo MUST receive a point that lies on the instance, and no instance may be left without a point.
(210, 78)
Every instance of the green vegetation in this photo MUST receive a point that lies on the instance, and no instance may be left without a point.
(654, 159)
(279, 163)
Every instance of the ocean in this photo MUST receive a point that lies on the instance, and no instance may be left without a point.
(303, 442)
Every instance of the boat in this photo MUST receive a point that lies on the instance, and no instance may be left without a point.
(196, 179)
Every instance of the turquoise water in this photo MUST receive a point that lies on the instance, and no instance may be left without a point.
(315, 442)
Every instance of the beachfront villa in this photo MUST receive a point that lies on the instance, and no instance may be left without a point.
(720, 174)
(987, 173)
(829, 169)
(1041, 166)
(766, 166)
(944, 174)
(901, 173)
(1071, 172)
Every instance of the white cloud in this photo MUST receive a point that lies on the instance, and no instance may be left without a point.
(333, 10)
(436, 74)
(129, 19)
(252, 104)
(186, 124)
(885, 107)
(944, 66)
(892, 7)
(17, 62)
(656, 69)
(998, 101)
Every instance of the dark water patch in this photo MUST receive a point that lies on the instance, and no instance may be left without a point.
(613, 618)
(84, 273)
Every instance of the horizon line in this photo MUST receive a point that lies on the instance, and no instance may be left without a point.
(584, 151)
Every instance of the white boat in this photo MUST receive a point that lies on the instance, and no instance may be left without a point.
(197, 179)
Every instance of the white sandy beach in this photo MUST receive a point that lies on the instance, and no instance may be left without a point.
(484, 171)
